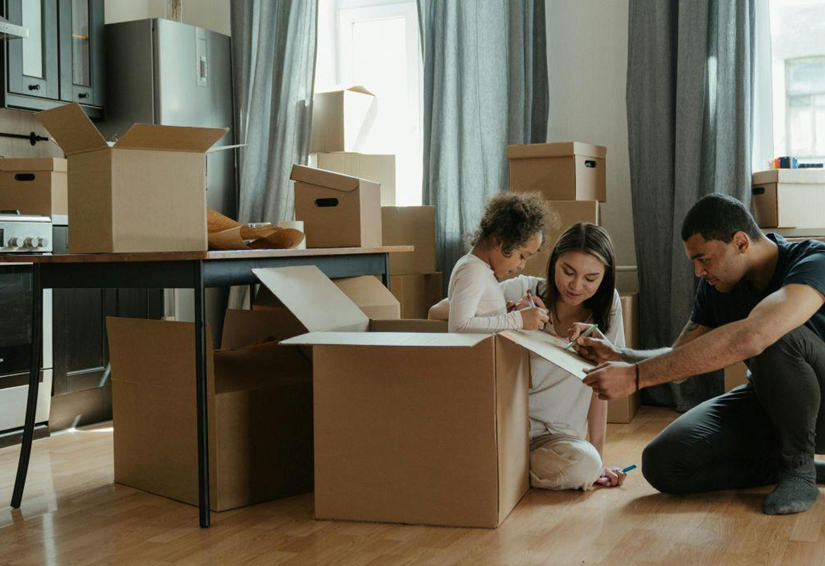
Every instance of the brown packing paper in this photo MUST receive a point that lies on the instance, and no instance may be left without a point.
(227, 234)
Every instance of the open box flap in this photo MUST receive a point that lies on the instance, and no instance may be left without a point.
(323, 178)
(170, 138)
(72, 129)
(313, 298)
(406, 339)
(547, 347)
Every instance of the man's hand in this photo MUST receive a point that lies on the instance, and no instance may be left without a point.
(594, 348)
(612, 380)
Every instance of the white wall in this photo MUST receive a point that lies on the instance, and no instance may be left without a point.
(587, 60)
(209, 14)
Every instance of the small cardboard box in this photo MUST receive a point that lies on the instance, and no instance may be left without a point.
(623, 410)
(147, 193)
(410, 225)
(560, 171)
(789, 198)
(342, 119)
(34, 186)
(259, 411)
(417, 293)
(570, 212)
(423, 428)
(735, 375)
(338, 211)
(377, 168)
(374, 300)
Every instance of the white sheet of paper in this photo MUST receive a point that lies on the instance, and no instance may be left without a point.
(551, 349)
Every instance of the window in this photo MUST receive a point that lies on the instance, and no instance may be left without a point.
(375, 44)
(798, 70)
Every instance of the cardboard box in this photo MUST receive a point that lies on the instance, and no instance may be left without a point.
(570, 212)
(410, 225)
(34, 186)
(561, 171)
(342, 119)
(367, 292)
(338, 211)
(623, 410)
(417, 293)
(259, 411)
(735, 375)
(377, 168)
(789, 198)
(147, 193)
(423, 428)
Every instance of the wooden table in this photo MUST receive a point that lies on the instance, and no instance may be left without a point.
(173, 270)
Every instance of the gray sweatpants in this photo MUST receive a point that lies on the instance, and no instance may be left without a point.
(743, 438)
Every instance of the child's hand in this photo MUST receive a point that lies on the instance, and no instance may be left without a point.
(524, 303)
(611, 477)
(534, 319)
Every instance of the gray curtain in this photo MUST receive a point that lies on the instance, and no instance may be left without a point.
(689, 113)
(485, 86)
(273, 59)
(273, 56)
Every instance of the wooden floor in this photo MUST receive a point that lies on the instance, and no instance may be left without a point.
(73, 514)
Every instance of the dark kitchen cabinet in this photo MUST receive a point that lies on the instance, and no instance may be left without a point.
(60, 61)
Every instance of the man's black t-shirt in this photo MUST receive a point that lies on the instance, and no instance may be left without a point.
(799, 263)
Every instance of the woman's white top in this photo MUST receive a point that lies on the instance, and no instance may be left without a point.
(559, 402)
(477, 303)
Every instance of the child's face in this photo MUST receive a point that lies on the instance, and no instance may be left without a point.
(503, 265)
(578, 276)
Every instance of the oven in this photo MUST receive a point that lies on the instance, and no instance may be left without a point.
(22, 234)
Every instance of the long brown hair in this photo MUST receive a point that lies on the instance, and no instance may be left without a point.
(594, 240)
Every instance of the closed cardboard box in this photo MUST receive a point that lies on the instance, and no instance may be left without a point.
(410, 225)
(35, 186)
(342, 119)
(569, 213)
(560, 171)
(417, 293)
(259, 412)
(789, 198)
(410, 427)
(623, 410)
(147, 193)
(338, 211)
(377, 168)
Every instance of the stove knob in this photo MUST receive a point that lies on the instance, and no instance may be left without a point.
(42, 242)
(15, 242)
(30, 242)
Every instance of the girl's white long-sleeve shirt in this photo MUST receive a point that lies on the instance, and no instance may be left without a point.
(477, 303)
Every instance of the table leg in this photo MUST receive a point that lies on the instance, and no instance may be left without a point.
(34, 385)
(200, 381)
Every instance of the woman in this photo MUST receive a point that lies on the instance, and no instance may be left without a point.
(567, 421)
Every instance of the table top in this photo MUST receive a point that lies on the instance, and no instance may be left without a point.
(194, 256)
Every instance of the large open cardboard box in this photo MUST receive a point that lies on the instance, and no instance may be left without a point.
(338, 211)
(411, 427)
(259, 405)
(35, 186)
(342, 119)
(789, 198)
(147, 193)
(560, 171)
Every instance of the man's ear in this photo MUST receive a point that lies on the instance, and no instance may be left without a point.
(742, 242)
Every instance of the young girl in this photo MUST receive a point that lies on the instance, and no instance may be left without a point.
(567, 421)
(511, 231)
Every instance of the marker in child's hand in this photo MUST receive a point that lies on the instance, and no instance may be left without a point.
(530, 298)
(584, 334)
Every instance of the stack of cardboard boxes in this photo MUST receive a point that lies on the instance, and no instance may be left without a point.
(572, 177)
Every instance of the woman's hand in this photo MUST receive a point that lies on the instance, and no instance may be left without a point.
(611, 477)
(594, 348)
(534, 318)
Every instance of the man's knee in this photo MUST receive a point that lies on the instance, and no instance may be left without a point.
(660, 468)
(565, 465)
(770, 362)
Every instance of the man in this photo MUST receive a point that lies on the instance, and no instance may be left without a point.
(760, 300)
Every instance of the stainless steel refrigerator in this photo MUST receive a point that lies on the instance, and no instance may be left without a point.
(164, 72)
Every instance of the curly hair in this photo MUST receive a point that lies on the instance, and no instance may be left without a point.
(512, 219)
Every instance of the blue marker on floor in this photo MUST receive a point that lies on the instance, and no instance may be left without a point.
(629, 468)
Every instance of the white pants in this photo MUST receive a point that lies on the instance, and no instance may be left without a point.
(559, 461)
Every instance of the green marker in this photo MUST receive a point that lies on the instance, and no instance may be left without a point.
(584, 334)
